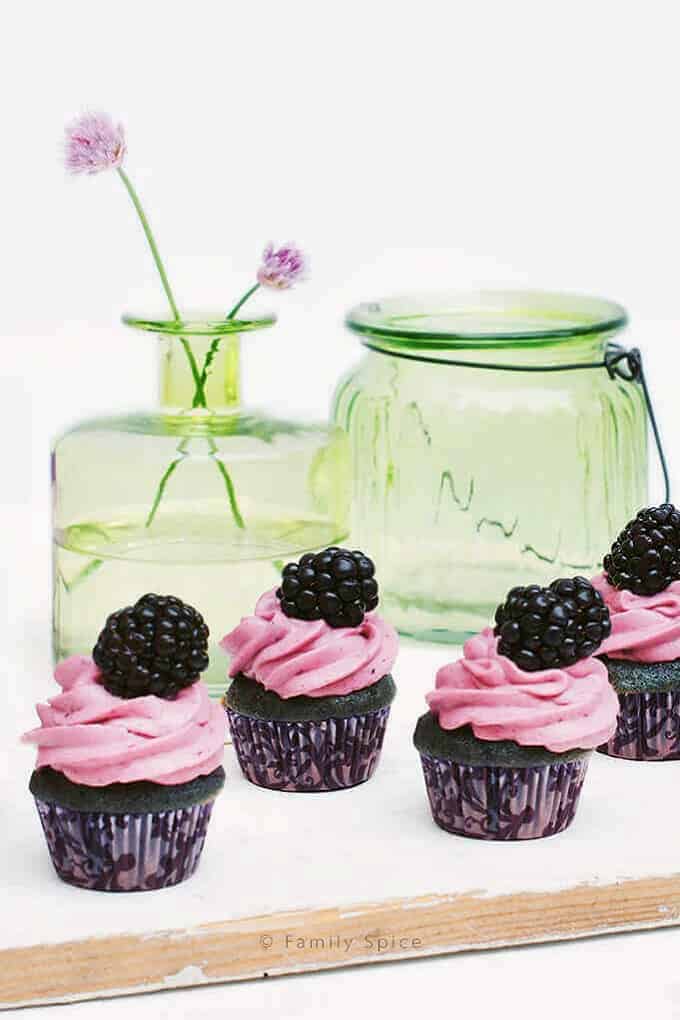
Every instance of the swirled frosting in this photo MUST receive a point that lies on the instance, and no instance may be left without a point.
(293, 657)
(95, 738)
(645, 628)
(560, 709)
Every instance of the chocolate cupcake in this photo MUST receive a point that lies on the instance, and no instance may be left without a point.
(130, 753)
(312, 688)
(641, 588)
(506, 743)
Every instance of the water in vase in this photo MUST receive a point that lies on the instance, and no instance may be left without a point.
(204, 502)
(101, 566)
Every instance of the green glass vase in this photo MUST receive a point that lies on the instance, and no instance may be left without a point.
(201, 498)
(473, 477)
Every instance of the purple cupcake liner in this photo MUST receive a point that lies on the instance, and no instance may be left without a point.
(308, 757)
(124, 852)
(501, 802)
(647, 727)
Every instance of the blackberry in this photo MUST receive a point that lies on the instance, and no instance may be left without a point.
(158, 646)
(645, 558)
(543, 628)
(335, 585)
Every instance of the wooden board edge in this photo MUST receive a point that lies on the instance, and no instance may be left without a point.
(308, 940)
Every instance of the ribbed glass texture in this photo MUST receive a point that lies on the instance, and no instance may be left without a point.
(470, 480)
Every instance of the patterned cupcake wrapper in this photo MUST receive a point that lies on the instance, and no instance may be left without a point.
(647, 728)
(500, 802)
(124, 852)
(308, 757)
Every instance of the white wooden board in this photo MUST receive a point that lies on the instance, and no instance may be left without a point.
(292, 882)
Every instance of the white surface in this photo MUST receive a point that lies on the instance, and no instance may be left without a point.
(268, 852)
(628, 977)
(407, 146)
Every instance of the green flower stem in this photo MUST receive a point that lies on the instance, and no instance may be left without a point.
(215, 345)
(152, 242)
(199, 398)
(181, 449)
(209, 358)
(159, 492)
(229, 485)
(239, 304)
(199, 382)
(199, 377)
(221, 467)
(82, 575)
(200, 394)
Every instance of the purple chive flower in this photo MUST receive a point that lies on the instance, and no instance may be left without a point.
(94, 143)
(281, 267)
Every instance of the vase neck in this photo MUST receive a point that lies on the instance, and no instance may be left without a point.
(186, 382)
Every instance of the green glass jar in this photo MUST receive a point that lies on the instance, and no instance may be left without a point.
(200, 499)
(473, 477)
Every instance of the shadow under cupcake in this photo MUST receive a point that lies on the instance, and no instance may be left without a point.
(310, 699)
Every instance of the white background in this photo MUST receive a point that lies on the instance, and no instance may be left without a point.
(406, 146)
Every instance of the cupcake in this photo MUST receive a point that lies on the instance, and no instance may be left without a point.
(130, 753)
(506, 743)
(312, 688)
(641, 587)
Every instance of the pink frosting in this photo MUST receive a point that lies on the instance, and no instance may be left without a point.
(293, 657)
(95, 738)
(561, 709)
(645, 628)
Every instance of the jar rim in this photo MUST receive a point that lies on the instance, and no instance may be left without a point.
(485, 318)
(198, 324)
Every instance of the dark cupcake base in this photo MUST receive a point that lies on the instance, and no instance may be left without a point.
(124, 852)
(308, 745)
(648, 724)
(48, 785)
(642, 677)
(502, 802)
(497, 789)
(462, 746)
(124, 837)
(313, 756)
(247, 697)
(647, 728)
